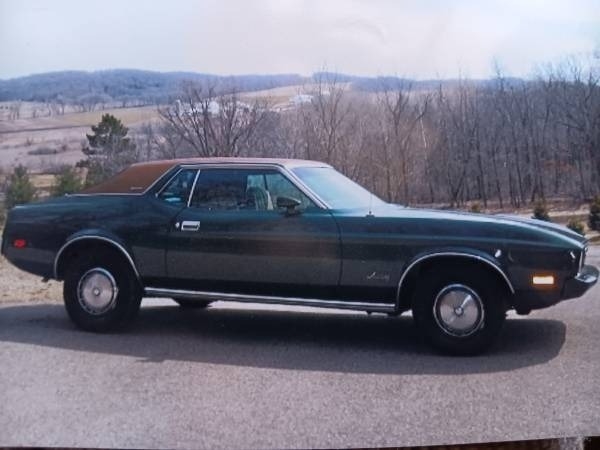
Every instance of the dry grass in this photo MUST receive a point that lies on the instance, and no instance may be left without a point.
(129, 116)
(17, 286)
(43, 181)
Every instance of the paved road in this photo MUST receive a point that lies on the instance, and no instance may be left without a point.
(243, 376)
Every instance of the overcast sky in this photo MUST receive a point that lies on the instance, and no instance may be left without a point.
(420, 38)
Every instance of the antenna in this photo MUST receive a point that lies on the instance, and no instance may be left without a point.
(370, 205)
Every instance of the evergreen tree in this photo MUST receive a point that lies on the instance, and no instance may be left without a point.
(108, 151)
(67, 182)
(19, 188)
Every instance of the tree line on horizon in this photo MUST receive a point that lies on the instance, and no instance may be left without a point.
(89, 91)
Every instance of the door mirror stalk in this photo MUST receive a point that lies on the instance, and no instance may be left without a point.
(290, 205)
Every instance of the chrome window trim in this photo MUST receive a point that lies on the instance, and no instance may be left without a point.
(100, 238)
(189, 202)
(306, 189)
(458, 254)
(157, 181)
(171, 178)
(297, 301)
(114, 194)
(290, 176)
(164, 186)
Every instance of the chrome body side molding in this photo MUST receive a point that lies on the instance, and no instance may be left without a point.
(98, 238)
(297, 301)
(478, 258)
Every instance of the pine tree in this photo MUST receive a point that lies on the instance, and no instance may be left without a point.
(19, 189)
(108, 151)
(67, 182)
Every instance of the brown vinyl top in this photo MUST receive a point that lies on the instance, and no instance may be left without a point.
(138, 177)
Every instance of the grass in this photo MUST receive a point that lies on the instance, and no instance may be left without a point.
(130, 117)
(43, 181)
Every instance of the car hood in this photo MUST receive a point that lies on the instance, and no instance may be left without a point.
(464, 225)
(554, 227)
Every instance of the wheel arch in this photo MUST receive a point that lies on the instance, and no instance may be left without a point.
(408, 279)
(85, 241)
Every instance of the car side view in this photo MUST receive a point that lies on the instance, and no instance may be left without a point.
(290, 232)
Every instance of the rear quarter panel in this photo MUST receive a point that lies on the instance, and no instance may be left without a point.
(136, 222)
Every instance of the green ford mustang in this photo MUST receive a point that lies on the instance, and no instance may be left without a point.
(290, 232)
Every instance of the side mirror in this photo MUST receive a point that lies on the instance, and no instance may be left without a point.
(290, 204)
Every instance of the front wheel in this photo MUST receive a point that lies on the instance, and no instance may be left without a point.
(101, 292)
(458, 311)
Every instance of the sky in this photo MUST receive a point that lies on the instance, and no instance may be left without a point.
(421, 39)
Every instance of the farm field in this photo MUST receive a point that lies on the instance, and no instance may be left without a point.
(43, 143)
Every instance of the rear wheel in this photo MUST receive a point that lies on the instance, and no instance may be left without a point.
(192, 304)
(459, 311)
(101, 292)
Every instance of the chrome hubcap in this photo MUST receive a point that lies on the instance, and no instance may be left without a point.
(458, 310)
(97, 291)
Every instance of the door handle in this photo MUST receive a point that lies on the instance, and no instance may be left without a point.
(190, 225)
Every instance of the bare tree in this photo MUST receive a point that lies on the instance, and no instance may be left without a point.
(214, 121)
(402, 114)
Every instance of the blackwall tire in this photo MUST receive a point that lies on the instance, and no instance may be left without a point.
(459, 312)
(101, 292)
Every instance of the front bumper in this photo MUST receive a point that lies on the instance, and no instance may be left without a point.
(526, 300)
(576, 287)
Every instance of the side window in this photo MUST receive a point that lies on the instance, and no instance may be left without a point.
(280, 186)
(244, 189)
(220, 189)
(177, 190)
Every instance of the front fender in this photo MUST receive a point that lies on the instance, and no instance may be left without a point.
(491, 261)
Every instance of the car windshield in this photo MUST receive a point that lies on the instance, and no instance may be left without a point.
(338, 191)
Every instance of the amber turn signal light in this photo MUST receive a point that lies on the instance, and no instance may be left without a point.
(19, 243)
(543, 280)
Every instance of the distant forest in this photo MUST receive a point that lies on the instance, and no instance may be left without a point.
(127, 87)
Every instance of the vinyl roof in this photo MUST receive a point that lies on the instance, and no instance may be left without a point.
(138, 177)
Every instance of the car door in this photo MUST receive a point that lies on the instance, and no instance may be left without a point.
(233, 238)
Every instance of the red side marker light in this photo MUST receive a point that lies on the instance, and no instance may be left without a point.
(19, 243)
